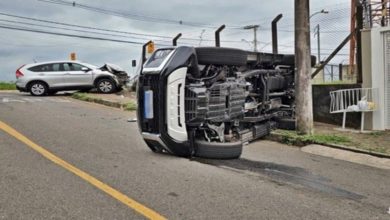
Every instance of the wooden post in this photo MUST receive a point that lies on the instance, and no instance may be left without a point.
(303, 89)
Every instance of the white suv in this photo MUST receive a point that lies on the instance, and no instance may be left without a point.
(49, 77)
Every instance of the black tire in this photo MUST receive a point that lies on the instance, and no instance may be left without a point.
(221, 56)
(38, 88)
(215, 150)
(105, 86)
(290, 60)
(286, 123)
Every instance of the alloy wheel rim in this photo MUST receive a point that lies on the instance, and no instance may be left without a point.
(38, 89)
(105, 86)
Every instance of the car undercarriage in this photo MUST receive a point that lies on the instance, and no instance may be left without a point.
(209, 101)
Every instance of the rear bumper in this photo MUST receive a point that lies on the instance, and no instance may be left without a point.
(21, 89)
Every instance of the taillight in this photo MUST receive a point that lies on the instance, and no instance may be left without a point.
(18, 73)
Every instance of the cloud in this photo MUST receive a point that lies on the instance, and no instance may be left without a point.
(24, 47)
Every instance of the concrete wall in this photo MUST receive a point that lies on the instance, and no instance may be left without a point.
(321, 106)
(366, 71)
(378, 74)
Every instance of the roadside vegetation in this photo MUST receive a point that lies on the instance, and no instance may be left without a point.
(128, 106)
(7, 86)
(292, 138)
(326, 134)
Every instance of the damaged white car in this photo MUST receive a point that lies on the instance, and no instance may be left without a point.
(50, 77)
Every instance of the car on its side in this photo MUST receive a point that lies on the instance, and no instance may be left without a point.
(50, 77)
(209, 101)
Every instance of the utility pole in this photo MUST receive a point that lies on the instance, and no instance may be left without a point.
(317, 32)
(254, 27)
(303, 89)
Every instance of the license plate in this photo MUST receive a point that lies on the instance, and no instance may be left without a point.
(148, 104)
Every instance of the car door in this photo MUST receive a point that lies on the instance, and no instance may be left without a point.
(51, 74)
(78, 75)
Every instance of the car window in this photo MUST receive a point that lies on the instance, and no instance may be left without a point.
(56, 67)
(42, 68)
(75, 66)
(66, 66)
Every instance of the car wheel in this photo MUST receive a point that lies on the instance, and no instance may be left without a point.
(38, 89)
(105, 86)
(214, 150)
(221, 56)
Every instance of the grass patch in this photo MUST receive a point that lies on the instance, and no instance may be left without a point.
(130, 106)
(292, 138)
(377, 133)
(84, 97)
(7, 86)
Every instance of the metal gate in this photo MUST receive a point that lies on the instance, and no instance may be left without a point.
(387, 79)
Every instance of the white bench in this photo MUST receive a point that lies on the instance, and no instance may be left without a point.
(354, 100)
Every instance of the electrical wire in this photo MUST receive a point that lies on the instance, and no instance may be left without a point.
(101, 29)
(134, 16)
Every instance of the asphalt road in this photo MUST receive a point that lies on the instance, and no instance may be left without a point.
(269, 181)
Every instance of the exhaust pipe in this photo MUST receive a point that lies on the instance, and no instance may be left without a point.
(275, 34)
(174, 42)
(217, 41)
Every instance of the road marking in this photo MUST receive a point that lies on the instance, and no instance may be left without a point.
(31, 100)
(138, 207)
(5, 100)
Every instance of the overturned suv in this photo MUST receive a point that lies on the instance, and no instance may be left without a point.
(208, 101)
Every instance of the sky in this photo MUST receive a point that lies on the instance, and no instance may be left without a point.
(138, 21)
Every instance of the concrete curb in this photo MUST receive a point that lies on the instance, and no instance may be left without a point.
(102, 102)
(279, 138)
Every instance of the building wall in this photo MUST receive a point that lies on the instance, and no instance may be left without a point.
(378, 74)
(366, 71)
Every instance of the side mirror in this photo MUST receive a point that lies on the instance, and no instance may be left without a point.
(133, 63)
(85, 69)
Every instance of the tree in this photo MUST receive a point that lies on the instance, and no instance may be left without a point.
(303, 89)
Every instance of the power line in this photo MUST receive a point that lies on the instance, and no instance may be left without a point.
(69, 35)
(132, 16)
(101, 29)
(70, 29)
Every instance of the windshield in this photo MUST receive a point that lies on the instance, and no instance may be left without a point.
(157, 58)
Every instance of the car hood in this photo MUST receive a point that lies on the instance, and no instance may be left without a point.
(114, 69)
(111, 67)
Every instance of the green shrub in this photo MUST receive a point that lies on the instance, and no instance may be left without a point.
(7, 86)
(131, 106)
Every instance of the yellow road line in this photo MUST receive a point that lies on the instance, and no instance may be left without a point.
(138, 207)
